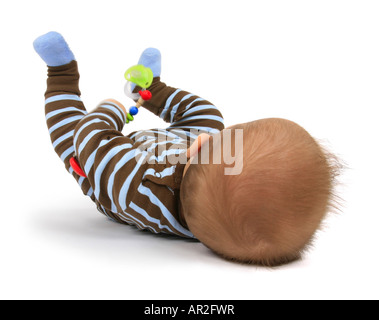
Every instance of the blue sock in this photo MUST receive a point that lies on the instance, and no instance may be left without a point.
(151, 58)
(53, 49)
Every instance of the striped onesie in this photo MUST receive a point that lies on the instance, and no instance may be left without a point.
(133, 179)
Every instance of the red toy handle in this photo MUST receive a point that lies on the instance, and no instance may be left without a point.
(145, 95)
(75, 165)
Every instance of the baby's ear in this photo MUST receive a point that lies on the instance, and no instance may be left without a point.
(195, 147)
(151, 58)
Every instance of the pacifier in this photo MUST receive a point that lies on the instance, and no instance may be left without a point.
(140, 76)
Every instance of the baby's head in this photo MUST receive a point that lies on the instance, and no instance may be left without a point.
(269, 212)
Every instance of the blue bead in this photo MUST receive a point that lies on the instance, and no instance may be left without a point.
(133, 111)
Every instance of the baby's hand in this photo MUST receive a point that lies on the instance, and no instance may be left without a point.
(53, 49)
(118, 104)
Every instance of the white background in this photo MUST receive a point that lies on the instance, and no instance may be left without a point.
(314, 62)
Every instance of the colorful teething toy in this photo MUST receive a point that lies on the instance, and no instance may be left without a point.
(143, 77)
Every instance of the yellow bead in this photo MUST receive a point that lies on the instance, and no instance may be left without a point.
(129, 117)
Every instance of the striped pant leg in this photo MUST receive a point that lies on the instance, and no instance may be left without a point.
(64, 109)
(182, 109)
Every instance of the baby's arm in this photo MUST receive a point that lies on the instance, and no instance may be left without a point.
(108, 158)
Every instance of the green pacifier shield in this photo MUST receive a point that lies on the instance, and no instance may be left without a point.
(140, 75)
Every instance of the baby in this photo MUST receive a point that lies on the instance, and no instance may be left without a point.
(264, 210)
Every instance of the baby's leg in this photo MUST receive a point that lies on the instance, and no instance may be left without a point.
(63, 106)
(183, 110)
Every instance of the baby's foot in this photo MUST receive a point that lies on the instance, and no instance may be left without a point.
(151, 58)
(53, 49)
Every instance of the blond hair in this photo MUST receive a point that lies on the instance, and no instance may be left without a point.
(269, 213)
